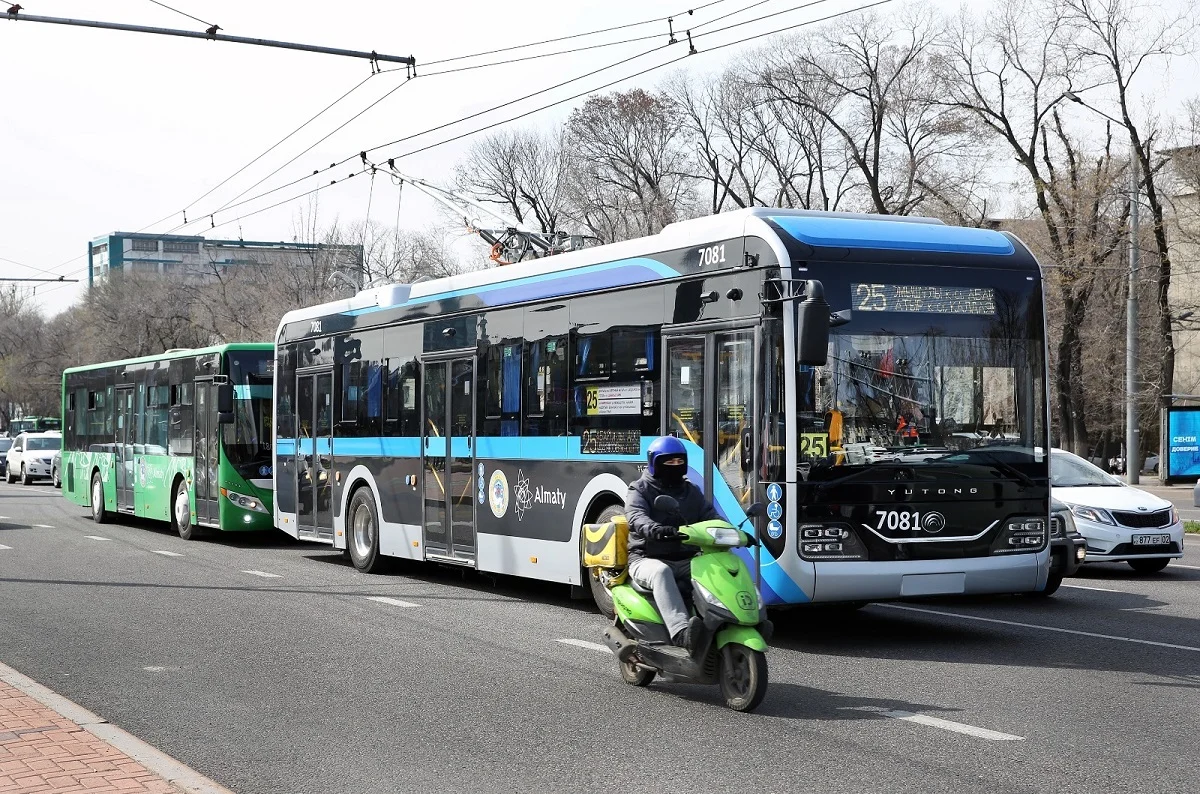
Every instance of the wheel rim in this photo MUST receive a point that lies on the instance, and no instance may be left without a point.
(97, 497)
(362, 531)
(737, 673)
(183, 509)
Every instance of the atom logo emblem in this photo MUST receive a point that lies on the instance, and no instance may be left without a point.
(522, 495)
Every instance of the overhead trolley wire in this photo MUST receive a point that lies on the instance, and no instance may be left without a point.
(234, 201)
(435, 144)
(270, 149)
(181, 13)
(575, 35)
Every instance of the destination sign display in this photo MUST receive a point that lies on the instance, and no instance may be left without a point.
(922, 298)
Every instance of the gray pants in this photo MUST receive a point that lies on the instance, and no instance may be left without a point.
(658, 576)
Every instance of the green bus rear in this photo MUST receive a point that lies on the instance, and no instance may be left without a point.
(184, 437)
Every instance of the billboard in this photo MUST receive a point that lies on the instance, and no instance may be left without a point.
(1183, 443)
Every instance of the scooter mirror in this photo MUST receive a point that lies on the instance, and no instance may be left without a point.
(755, 510)
(666, 503)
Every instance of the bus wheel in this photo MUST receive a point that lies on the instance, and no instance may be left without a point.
(99, 514)
(362, 529)
(600, 593)
(181, 513)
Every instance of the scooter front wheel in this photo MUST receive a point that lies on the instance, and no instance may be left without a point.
(743, 677)
(636, 674)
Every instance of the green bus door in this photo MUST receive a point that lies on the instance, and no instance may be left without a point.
(208, 462)
(124, 448)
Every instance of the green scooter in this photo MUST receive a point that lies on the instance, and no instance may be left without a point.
(730, 649)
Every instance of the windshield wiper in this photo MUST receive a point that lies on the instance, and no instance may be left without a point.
(1004, 466)
(889, 465)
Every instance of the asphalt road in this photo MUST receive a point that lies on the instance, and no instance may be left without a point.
(266, 665)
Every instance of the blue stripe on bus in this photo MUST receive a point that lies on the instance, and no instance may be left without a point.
(889, 235)
(777, 586)
(605, 275)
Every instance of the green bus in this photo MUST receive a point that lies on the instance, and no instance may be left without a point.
(33, 424)
(185, 436)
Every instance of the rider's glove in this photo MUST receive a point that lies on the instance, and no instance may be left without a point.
(665, 533)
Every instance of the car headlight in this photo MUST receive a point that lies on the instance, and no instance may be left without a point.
(1093, 514)
(243, 501)
(1174, 515)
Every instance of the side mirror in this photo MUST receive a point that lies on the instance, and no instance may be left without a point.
(747, 451)
(225, 403)
(812, 326)
(666, 503)
(755, 510)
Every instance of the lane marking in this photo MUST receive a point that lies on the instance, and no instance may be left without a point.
(156, 669)
(946, 725)
(396, 602)
(166, 553)
(2, 546)
(1097, 589)
(1042, 628)
(94, 537)
(1181, 565)
(43, 526)
(264, 574)
(594, 646)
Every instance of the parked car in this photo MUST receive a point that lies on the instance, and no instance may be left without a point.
(55, 470)
(1119, 522)
(1150, 465)
(5, 445)
(1068, 548)
(31, 455)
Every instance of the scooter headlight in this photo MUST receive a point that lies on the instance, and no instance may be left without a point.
(725, 536)
(707, 596)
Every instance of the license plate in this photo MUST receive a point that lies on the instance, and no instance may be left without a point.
(1151, 540)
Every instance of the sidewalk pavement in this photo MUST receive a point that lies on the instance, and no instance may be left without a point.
(49, 745)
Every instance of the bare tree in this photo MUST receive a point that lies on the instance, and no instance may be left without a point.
(1120, 39)
(524, 171)
(868, 81)
(629, 165)
(1011, 69)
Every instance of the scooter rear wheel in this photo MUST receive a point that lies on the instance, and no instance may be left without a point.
(743, 677)
(636, 674)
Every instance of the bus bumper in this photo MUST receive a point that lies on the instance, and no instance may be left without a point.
(887, 581)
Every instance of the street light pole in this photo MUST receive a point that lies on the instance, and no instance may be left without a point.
(1133, 447)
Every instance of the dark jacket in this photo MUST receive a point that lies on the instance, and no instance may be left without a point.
(644, 518)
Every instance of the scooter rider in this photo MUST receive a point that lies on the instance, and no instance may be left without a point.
(658, 561)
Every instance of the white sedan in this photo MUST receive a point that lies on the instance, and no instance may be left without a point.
(1120, 523)
(30, 456)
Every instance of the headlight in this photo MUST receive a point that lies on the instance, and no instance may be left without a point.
(707, 596)
(725, 536)
(243, 501)
(1093, 514)
(1174, 515)
(1021, 535)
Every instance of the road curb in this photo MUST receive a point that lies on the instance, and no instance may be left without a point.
(177, 774)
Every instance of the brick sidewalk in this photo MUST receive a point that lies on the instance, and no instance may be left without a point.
(42, 752)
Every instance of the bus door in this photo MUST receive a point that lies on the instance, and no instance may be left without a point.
(709, 393)
(124, 448)
(448, 452)
(314, 455)
(207, 454)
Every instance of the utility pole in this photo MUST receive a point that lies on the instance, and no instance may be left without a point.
(1133, 447)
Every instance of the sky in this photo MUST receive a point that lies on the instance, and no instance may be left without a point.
(108, 131)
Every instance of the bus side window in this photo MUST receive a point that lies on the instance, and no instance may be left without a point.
(546, 387)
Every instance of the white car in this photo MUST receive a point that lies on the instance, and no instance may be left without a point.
(31, 455)
(1120, 523)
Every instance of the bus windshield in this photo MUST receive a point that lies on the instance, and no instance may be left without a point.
(249, 438)
(929, 376)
